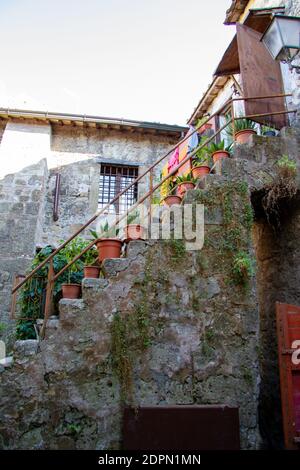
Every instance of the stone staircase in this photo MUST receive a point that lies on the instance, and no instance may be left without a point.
(163, 326)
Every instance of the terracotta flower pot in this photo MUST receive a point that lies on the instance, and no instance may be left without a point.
(134, 232)
(243, 137)
(184, 187)
(91, 271)
(108, 248)
(199, 171)
(71, 291)
(172, 200)
(220, 154)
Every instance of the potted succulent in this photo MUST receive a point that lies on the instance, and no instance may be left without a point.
(243, 129)
(268, 131)
(108, 245)
(172, 199)
(133, 231)
(184, 183)
(91, 270)
(201, 163)
(219, 150)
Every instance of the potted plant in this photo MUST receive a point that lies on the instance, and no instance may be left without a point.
(133, 231)
(91, 270)
(243, 129)
(219, 150)
(71, 289)
(172, 199)
(108, 245)
(268, 131)
(184, 183)
(201, 163)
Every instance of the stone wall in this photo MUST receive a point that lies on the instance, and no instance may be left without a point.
(164, 326)
(77, 153)
(22, 199)
(27, 187)
(278, 258)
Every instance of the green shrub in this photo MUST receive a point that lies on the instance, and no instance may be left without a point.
(243, 268)
(32, 295)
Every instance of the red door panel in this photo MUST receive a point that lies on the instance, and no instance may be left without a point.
(288, 331)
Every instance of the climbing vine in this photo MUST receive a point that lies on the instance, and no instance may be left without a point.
(232, 239)
(132, 330)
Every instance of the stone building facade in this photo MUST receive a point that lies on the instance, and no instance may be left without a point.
(226, 85)
(168, 327)
(34, 148)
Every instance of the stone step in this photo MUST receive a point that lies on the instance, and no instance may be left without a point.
(111, 267)
(91, 288)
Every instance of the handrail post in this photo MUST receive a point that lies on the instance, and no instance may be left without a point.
(49, 292)
(233, 121)
(16, 279)
(151, 194)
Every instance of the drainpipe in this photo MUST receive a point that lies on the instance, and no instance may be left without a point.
(56, 197)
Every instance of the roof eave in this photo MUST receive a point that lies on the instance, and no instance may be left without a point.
(235, 10)
(93, 121)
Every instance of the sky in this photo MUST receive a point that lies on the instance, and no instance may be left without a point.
(149, 60)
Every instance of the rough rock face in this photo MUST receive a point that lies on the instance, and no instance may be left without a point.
(21, 207)
(165, 326)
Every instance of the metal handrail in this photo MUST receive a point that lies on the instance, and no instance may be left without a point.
(171, 173)
(97, 214)
(154, 188)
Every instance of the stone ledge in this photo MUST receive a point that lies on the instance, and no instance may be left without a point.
(136, 247)
(91, 283)
(111, 267)
(26, 347)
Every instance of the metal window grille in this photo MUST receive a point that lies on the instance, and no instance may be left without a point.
(113, 179)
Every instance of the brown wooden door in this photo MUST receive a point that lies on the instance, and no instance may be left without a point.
(288, 330)
(261, 76)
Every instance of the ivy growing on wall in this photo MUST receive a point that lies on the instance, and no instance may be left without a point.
(232, 238)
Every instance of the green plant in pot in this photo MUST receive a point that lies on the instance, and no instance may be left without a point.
(184, 183)
(134, 230)
(72, 289)
(201, 163)
(108, 244)
(171, 199)
(91, 270)
(242, 130)
(219, 150)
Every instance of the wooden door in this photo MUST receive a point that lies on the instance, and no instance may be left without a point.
(181, 428)
(261, 76)
(288, 331)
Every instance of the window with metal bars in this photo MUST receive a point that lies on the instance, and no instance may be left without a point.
(113, 179)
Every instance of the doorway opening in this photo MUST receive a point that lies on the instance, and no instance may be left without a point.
(277, 250)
